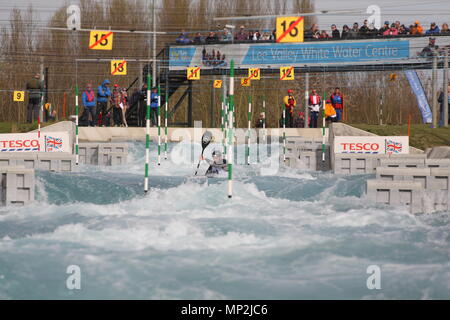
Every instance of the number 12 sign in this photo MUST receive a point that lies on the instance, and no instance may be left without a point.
(289, 29)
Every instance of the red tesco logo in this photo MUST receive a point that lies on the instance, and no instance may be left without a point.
(369, 147)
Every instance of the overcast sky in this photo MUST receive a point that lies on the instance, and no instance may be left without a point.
(406, 11)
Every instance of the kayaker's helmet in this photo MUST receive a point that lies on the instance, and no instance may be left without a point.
(217, 154)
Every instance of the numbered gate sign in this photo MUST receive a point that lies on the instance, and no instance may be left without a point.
(118, 67)
(101, 40)
(245, 82)
(19, 96)
(217, 84)
(289, 29)
(193, 73)
(287, 73)
(254, 74)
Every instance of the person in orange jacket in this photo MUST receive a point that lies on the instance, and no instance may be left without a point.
(290, 103)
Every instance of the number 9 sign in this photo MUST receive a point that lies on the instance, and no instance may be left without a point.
(19, 96)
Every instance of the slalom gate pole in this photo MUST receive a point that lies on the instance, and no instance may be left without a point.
(284, 134)
(222, 113)
(147, 134)
(225, 134)
(77, 156)
(249, 128)
(159, 125)
(264, 119)
(230, 132)
(166, 116)
(323, 130)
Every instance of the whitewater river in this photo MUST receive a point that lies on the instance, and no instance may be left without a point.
(292, 235)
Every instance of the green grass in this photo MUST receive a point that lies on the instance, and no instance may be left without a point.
(13, 127)
(422, 136)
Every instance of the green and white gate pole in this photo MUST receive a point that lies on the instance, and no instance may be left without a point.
(230, 132)
(323, 130)
(284, 134)
(76, 126)
(249, 128)
(159, 125)
(147, 134)
(166, 116)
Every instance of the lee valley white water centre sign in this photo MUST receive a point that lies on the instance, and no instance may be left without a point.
(371, 144)
(31, 142)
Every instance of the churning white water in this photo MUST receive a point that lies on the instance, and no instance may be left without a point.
(292, 235)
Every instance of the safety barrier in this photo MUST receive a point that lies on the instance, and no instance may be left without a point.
(306, 153)
(16, 185)
(49, 161)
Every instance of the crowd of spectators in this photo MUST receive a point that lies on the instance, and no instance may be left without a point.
(366, 30)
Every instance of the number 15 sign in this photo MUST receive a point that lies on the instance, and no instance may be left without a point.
(289, 29)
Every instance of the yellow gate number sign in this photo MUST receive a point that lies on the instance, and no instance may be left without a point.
(245, 82)
(287, 73)
(118, 67)
(193, 73)
(19, 96)
(254, 74)
(217, 84)
(289, 29)
(101, 40)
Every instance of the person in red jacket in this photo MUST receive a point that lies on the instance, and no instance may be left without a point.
(337, 100)
(315, 103)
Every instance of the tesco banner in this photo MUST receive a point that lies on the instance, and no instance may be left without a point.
(31, 142)
(371, 144)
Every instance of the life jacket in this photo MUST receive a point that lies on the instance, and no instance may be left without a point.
(314, 99)
(291, 101)
(336, 99)
(90, 95)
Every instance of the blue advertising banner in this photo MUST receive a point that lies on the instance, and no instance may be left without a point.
(421, 97)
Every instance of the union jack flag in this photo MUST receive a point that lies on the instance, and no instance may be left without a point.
(53, 144)
(393, 146)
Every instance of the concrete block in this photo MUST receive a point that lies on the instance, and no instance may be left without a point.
(17, 185)
(88, 153)
(25, 159)
(437, 163)
(439, 153)
(356, 163)
(118, 158)
(56, 161)
(396, 193)
(403, 163)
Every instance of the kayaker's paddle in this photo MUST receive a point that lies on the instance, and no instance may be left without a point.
(206, 140)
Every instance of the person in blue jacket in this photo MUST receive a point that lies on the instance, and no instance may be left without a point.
(88, 98)
(154, 101)
(103, 94)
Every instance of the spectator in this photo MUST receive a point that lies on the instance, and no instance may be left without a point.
(384, 28)
(88, 99)
(403, 30)
(198, 39)
(445, 30)
(314, 103)
(124, 105)
(154, 106)
(260, 120)
(335, 34)
(256, 36)
(227, 36)
(315, 32)
(273, 36)
(416, 29)
(364, 31)
(241, 35)
(397, 25)
(345, 32)
(430, 50)
(183, 38)
(442, 100)
(392, 31)
(299, 121)
(434, 29)
(289, 103)
(324, 35)
(337, 100)
(35, 88)
(211, 38)
(373, 32)
(265, 36)
(115, 105)
(103, 94)
(354, 32)
(330, 112)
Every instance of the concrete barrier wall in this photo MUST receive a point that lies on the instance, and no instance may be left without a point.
(103, 154)
(49, 161)
(16, 185)
(306, 154)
